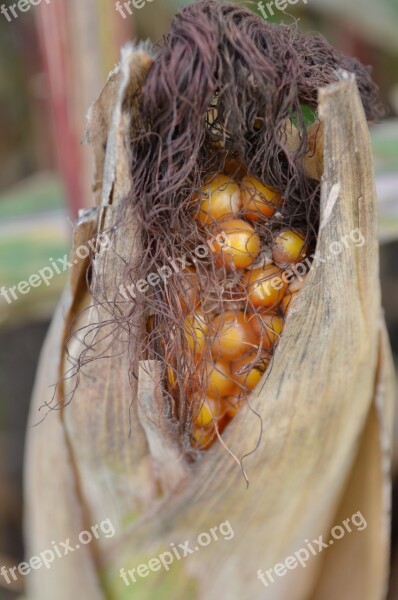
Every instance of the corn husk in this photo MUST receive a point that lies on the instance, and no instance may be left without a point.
(316, 441)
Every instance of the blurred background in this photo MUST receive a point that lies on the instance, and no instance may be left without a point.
(54, 61)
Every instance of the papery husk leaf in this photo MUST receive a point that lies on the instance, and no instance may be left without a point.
(55, 509)
(107, 439)
(368, 489)
(93, 445)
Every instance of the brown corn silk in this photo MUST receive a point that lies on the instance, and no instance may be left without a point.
(256, 78)
(320, 420)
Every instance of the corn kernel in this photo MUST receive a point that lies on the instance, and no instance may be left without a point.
(239, 247)
(245, 375)
(219, 379)
(264, 286)
(233, 335)
(219, 198)
(258, 200)
(196, 331)
(289, 247)
(210, 409)
(268, 328)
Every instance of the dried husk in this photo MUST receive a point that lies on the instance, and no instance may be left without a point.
(323, 451)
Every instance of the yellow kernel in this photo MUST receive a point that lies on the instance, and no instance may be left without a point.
(264, 286)
(210, 410)
(219, 379)
(196, 331)
(219, 198)
(240, 244)
(258, 200)
(289, 247)
(268, 328)
(206, 413)
(233, 335)
(247, 372)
